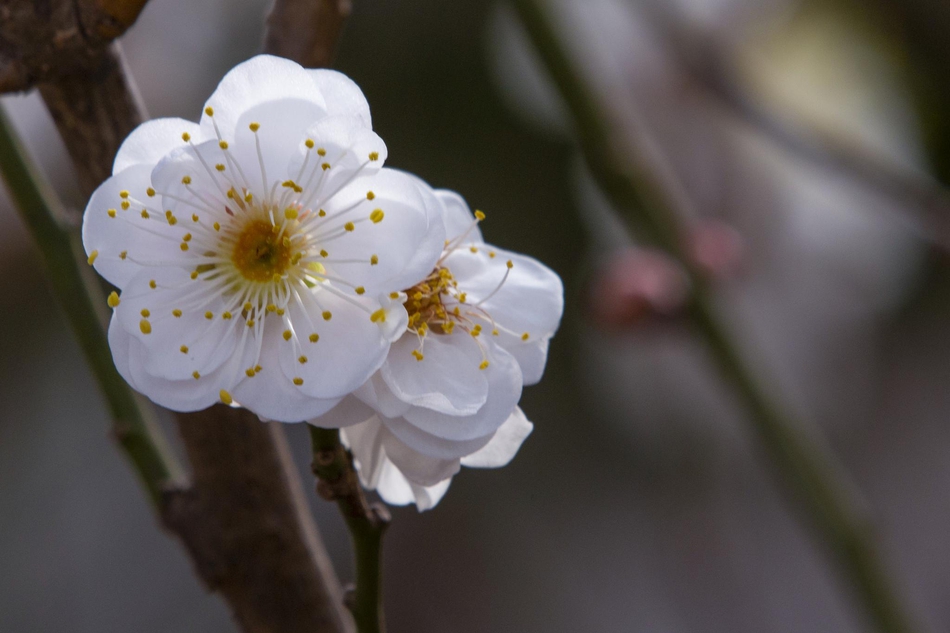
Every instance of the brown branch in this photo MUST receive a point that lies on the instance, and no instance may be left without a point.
(306, 31)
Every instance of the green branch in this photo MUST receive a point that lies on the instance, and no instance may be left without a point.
(338, 481)
(73, 285)
(642, 188)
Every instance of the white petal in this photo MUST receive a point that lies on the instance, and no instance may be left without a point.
(269, 393)
(349, 349)
(379, 397)
(504, 391)
(348, 412)
(125, 230)
(419, 469)
(395, 489)
(504, 445)
(259, 79)
(341, 94)
(458, 217)
(428, 444)
(205, 191)
(208, 342)
(448, 379)
(150, 141)
(401, 241)
(365, 441)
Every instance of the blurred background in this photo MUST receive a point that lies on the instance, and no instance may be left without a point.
(640, 503)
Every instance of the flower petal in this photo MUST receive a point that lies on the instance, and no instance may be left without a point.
(150, 141)
(458, 218)
(270, 394)
(504, 445)
(341, 94)
(395, 489)
(430, 445)
(259, 79)
(365, 441)
(418, 468)
(123, 238)
(375, 394)
(504, 391)
(347, 350)
(348, 412)
(448, 380)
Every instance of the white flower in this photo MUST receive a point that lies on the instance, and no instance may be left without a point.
(251, 250)
(447, 395)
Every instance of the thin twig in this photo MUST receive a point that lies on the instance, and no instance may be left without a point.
(73, 287)
(306, 31)
(338, 481)
(638, 181)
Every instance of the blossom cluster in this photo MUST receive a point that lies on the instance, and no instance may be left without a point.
(265, 258)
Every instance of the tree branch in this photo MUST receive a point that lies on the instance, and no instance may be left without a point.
(306, 31)
(638, 180)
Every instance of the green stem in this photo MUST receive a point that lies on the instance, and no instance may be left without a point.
(73, 286)
(338, 481)
(645, 192)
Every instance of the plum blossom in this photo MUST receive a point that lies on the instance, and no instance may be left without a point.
(255, 251)
(447, 395)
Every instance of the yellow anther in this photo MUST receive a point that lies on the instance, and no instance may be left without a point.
(185, 136)
(302, 360)
(125, 205)
(323, 253)
(145, 326)
(150, 192)
(509, 264)
(248, 197)
(254, 126)
(111, 213)
(393, 295)
(321, 213)
(321, 152)
(360, 290)
(172, 220)
(374, 155)
(183, 246)
(280, 312)
(298, 381)
(113, 299)
(209, 315)
(276, 278)
(309, 143)
(271, 307)
(327, 315)
(226, 316)
(479, 215)
(370, 195)
(186, 237)
(376, 216)
(250, 322)
(209, 111)
(183, 349)
(92, 257)
(325, 166)
(194, 217)
(417, 354)
(525, 336)
(484, 365)
(290, 213)
(462, 297)
(186, 180)
(123, 254)
(219, 167)
(217, 227)
(176, 313)
(124, 194)
(491, 253)
(286, 242)
(250, 372)
(374, 260)
(225, 397)
(194, 274)
(314, 337)
(378, 317)
(195, 375)
(473, 249)
(257, 369)
(247, 306)
(145, 313)
(349, 226)
(223, 144)
(494, 332)
(448, 327)
(287, 335)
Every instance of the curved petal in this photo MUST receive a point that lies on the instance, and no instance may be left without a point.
(504, 445)
(347, 349)
(122, 236)
(504, 391)
(365, 441)
(150, 141)
(270, 394)
(430, 445)
(341, 94)
(259, 79)
(458, 218)
(395, 489)
(375, 394)
(348, 412)
(188, 184)
(400, 239)
(419, 469)
(448, 379)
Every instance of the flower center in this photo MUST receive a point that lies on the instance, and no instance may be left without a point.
(426, 307)
(259, 252)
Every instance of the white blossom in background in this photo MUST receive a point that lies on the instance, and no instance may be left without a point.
(255, 251)
(447, 395)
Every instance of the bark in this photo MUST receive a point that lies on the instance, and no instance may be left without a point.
(306, 31)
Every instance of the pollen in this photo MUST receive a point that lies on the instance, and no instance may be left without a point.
(111, 213)
(183, 246)
(370, 195)
(150, 192)
(92, 257)
(376, 216)
(327, 315)
(254, 126)
(321, 213)
(287, 335)
(145, 326)
(290, 213)
(183, 349)
(124, 194)
(479, 215)
(209, 315)
(417, 355)
(186, 180)
(223, 144)
(484, 365)
(250, 372)
(225, 397)
(194, 217)
(185, 136)
(302, 360)
(509, 264)
(123, 255)
(525, 336)
(113, 299)
(298, 381)
(325, 166)
(209, 111)
(195, 375)
(145, 313)
(309, 143)
(374, 260)
(374, 156)
(314, 337)
(152, 284)
(321, 152)
(378, 317)
(258, 254)
(349, 226)
(324, 254)
(125, 205)
(176, 313)
(219, 167)
(226, 316)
